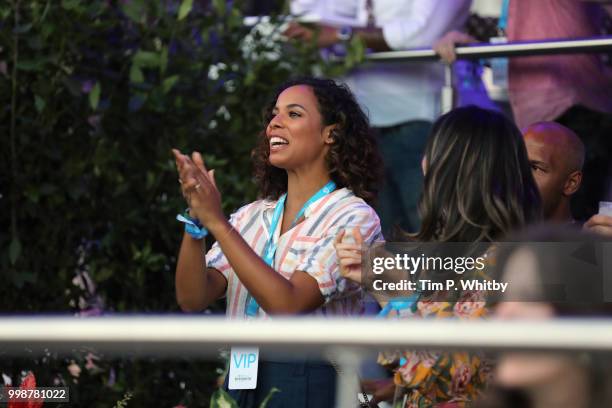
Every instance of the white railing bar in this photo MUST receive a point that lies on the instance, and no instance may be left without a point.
(184, 333)
(515, 49)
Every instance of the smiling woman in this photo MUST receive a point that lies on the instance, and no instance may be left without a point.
(352, 159)
(317, 165)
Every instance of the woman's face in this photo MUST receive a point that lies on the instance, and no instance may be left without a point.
(520, 369)
(298, 139)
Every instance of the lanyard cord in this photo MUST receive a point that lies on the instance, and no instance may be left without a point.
(252, 307)
(503, 17)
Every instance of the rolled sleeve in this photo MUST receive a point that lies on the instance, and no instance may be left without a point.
(320, 261)
(215, 258)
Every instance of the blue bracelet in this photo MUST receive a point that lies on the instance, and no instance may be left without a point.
(192, 226)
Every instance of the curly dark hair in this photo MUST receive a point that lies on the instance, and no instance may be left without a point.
(353, 159)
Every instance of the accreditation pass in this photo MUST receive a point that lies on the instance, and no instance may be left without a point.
(242, 374)
(38, 394)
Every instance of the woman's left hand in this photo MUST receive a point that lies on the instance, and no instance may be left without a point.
(199, 188)
(349, 255)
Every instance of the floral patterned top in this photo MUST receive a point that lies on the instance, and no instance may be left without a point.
(439, 378)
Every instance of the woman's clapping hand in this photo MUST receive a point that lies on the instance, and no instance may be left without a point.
(199, 188)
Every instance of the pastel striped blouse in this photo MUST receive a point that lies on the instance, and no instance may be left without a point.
(307, 247)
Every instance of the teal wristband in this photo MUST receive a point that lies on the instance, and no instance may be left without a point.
(192, 226)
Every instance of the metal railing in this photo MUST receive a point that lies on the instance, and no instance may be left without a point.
(343, 341)
(515, 49)
(485, 50)
(190, 333)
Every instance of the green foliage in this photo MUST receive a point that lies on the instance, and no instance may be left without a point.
(123, 403)
(93, 95)
(221, 399)
(270, 395)
(93, 98)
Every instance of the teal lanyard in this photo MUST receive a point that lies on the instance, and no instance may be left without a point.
(271, 246)
(503, 17)
(401, 303)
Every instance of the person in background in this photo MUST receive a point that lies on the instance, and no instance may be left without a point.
(402, 99)
(556, 155)
(478, 187)
(275, 256)
(572, 89)
(545, 282)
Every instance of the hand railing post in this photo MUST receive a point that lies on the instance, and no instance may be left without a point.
(347, 362)
(448, 92)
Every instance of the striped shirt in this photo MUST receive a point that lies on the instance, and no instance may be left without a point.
(307, 247)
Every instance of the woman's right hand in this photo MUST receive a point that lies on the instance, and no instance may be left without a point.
(349, 255)
(199, 188)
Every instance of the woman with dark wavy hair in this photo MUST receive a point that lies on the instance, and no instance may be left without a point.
(478, 187)
(352, 160)
(316, 165)
(478, 182)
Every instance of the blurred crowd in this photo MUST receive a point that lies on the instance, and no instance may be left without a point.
(403, 99)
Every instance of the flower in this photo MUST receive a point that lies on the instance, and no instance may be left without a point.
(427, 308)
(461, 379)
(112, 378)
(28, 383)
(415, 366)
(470, 305)
(7, 380)
(264, 41)
(214, 70)
(90, 365)
(87, 86)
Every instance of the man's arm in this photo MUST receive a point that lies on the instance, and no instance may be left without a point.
(421, 24)
(327, 35)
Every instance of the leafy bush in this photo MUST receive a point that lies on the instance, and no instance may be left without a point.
(93, 95)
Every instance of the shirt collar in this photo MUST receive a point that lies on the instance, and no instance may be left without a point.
(268, 206)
